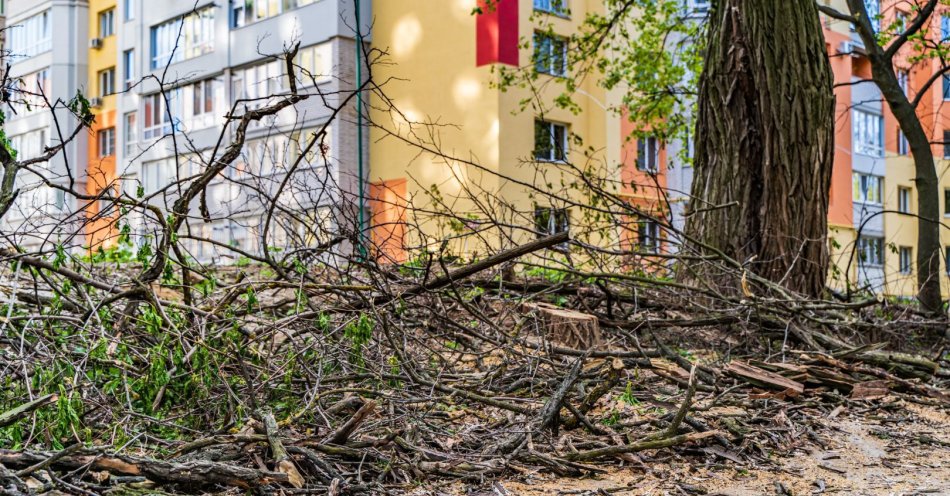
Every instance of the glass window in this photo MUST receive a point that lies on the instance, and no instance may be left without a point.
(548, 221)
(906, 259)
(944, 27)
(131, 136)
(31, 36)
(558, 7)
(106, 23)
(196, 38)
(648, 154)
(107, 82)
(868, 133)
(874, 13)
(903, 148)
(946, 202)
(314, 63)
(550, 141)
(550, 54)
(903, 200)
(128, 68)
(870, 252)
(158, 122)
(866, 188)
(648, 235)
(106, 142)
(946, 143)
(128, 6)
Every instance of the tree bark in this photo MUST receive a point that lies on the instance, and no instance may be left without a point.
(925, 172)
(764, 140)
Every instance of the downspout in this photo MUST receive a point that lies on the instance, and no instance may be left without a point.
(359, 133)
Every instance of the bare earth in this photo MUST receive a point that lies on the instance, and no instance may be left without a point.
(867, 452)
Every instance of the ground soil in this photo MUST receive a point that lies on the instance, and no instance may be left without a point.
(903, 451)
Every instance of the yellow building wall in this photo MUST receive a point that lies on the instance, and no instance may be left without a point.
(101, 170)
(487, 141)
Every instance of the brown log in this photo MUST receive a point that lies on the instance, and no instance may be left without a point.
(764, 378)
(200, 473)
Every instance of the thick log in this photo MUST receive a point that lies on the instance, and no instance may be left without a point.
(764, 378)
(11, 416)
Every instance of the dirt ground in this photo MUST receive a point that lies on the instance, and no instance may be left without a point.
(903, 451)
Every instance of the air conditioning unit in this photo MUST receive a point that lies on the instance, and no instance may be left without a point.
(854, 48)
(95, 102)
(95, 43)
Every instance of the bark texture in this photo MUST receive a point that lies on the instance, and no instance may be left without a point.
(765, 137)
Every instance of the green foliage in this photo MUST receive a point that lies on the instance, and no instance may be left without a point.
(359, 332)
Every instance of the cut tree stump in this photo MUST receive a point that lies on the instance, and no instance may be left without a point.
(572, 329)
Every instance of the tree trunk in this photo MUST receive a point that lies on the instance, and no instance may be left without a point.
(925, 172)
(764, 140)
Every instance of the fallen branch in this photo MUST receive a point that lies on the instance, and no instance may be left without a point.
(200, 473)
(11, 416)
(282, 460)
(343, 433)
(666, 442)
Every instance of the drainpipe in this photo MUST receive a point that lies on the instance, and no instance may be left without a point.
(359, 131)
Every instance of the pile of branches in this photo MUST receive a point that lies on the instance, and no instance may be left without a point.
(391, 377)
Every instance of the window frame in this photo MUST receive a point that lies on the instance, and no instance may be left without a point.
(648, 154)
(553, 146)
(905, 263)
(106, 142)
(862, 121)
(560, 8)
(545, 56)
(549, 221)
(128, 10)
(130, 133)
(128, 68)
(107, 23)
(865, 246)
(197, 30)
(106, 79)
(649, 237)
(864, 183)
(904, 199)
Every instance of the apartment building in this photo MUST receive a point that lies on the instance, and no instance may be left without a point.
(455, 142)
(47, 71)
(160, 78)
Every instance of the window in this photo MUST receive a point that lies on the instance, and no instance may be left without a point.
(550, 141)
(257, 83)
(128, 7)
(131, 134)
(866, 188)
(548, 221)
(648, 236)
(902, 79)
(698, 6)
(107, 82)
(946, 87)
(870, 252)
(315, 63)
(944, 27)
(550, 54)
(906, 259)
(868, 137)
(158, 174)
(557, 7)
(900, 21)
(874, 13)
(946, 255)
(946, 202)
(32, 36)
(106, 23)
(903, 148)
(244, 12)
(202, 97)
(128, 68)
(34, 90)
(903, 200)
(648, 154)
(946, 143)
(106, 142)
(158, 122)
(197, 38)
